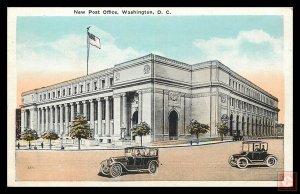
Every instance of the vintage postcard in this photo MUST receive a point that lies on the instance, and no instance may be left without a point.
(159, 96)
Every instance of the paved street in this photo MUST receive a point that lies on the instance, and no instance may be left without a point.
(206, 162)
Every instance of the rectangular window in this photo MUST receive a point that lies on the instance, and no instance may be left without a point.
(229, 82)
(111, 80)
(53, 94)
(81, 88)
(103, 83)
(95, 111)
(40, 97)
(44, 96)
(75, 90)
(58, 93)
(49, 95)
(64, 92)
(88, 87)
(88, 109)
(95, 85)
(69, 91)
(103, 110)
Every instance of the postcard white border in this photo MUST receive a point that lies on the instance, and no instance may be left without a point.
(14, 12)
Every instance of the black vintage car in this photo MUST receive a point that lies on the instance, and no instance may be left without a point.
(253, 152)
(236, 136)
(136, 159)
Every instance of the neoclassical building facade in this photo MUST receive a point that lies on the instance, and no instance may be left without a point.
(163, 92)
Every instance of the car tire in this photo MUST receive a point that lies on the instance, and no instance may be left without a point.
(242, 162)
(231, 161)
(271, 161)
(115, 170)
(152, 168)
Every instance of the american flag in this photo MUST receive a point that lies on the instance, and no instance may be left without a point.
(94, 40)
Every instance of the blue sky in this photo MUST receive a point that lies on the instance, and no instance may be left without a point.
(237, 41)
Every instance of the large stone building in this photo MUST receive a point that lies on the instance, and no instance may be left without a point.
(163, 92)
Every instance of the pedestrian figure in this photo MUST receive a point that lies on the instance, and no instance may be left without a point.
(18, 145)
(42, 145)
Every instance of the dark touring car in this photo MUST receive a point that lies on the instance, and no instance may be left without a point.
(136, 159)
(253, 153)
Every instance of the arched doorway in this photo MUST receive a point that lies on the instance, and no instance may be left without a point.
(173, 124)
(135, 117)
(230, 124)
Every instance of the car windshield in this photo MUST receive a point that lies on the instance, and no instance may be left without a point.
(255, 146)
(141, 152)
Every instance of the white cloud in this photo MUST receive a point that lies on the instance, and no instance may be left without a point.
(70, 53)
(262, 51)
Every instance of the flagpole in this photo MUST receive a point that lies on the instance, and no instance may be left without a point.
(88, 51)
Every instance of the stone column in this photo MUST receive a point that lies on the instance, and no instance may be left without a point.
(72, 111)
(84, 108)
(66, 119)
(47, 122)
(140, 107)
(117, 116)
(77, 108)
(51, 118)
(92, 120)
(61, 123)
(22, 120)
(99, 127)
(107, 115)
(124, 113)
(43, 120)
(56, 119)
(38, 121)
(25, 119)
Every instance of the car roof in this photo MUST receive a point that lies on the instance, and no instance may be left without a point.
(253, 141)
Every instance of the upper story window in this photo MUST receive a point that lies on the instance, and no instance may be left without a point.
(49, 95)
(44, 96)
(69, 91)
(103, 83)
(88, 87)
(58, 93)
(95, 85)
(111, 80)
(64, 92)
(75, 89)
(81, 88)
(229, 82)
(40, 97)
(53, 94)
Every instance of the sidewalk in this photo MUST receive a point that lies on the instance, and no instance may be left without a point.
(74, 147)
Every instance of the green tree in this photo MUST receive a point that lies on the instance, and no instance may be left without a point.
(141, 129)
(80, 129)
(51, 135)
(29, 135)
(196, 128)
(222, 130)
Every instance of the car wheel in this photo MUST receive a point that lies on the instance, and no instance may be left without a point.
(231, 161)
(102, 170)
(242, 162)
(271, 161)
(115, 170)
(152, 167)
